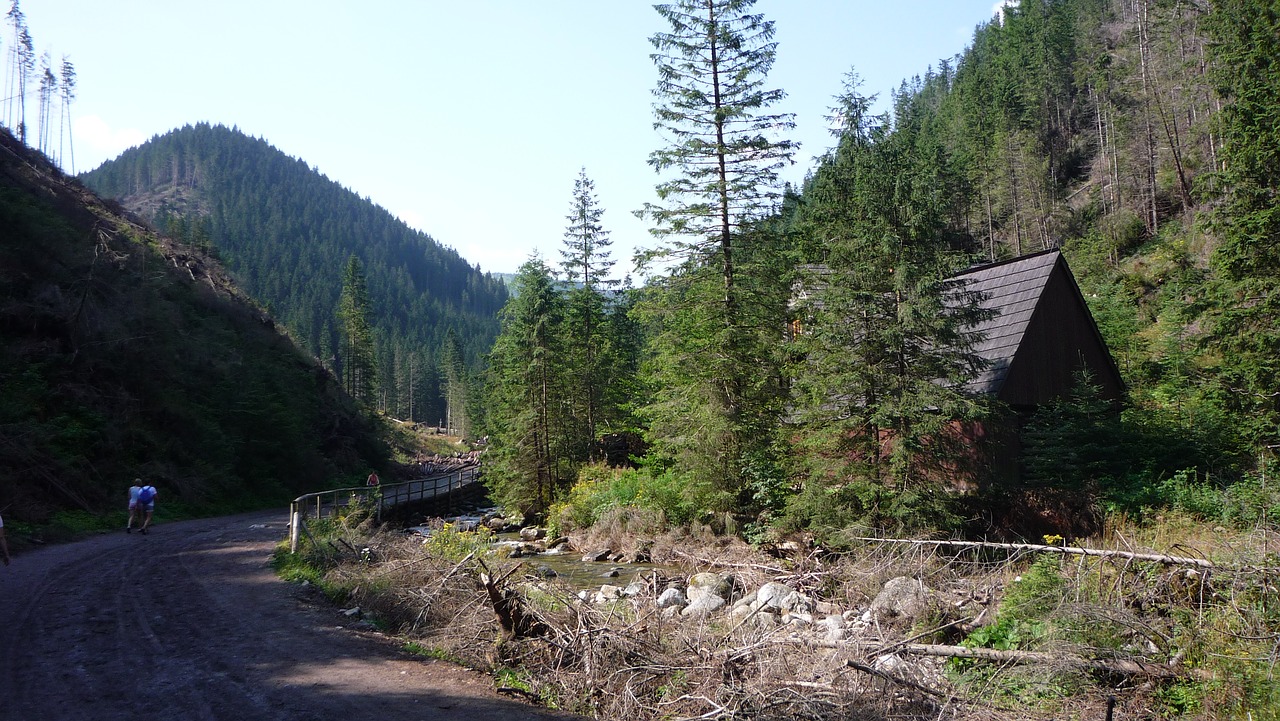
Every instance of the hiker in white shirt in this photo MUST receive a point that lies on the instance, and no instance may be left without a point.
(133, 504)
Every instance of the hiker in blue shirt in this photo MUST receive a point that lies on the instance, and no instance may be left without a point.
(146, 503)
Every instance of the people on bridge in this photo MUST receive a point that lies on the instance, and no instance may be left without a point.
(373, 479)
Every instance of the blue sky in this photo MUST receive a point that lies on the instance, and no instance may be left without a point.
(467, 119)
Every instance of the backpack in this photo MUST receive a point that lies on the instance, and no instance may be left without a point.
(146, 495)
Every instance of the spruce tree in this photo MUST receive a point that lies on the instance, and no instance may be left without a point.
(527, 396)
(886, 340)
(586, 263)
(454, 385)
(358, 364)
(1245, 334)
(715, 407)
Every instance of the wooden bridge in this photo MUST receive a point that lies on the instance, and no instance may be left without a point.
(383, 497)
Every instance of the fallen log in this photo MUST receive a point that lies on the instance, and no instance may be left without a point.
(1121, 666)
(1068, 550)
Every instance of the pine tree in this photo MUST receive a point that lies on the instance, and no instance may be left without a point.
(455, 385)
(358, 363)
(67, 91)
(716, 407)
(526, 396)
(1246, 334)
(585, 261)
(886, 340)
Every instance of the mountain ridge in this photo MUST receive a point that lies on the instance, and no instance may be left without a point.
(125, 353)
(285, 231)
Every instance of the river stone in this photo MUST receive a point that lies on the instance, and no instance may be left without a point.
(635, 588)
(903, 598)
(641, 555)
(707, 584)
(826, 608)
(672, 598)
(835, 627)
(597, 556)
(771, 595)
(738, 614)
(606, 594)
(532, 533)
(702, 606)
(799, 620)
(797, 602)
(747, 600)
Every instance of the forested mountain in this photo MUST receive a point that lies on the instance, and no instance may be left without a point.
(127, 354)
(1129, 133)
(286, 233)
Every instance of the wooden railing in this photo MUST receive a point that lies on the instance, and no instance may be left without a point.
(390, 495)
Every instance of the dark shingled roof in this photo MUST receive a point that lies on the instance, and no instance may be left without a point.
(1012, 289)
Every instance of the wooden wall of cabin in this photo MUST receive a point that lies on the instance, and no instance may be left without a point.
(1060, 338)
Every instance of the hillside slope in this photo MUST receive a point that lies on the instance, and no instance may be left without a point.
(285, 232)
(124, 353)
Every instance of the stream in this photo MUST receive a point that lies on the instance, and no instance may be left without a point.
(563, 564)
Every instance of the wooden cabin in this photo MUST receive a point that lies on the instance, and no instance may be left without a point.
(1038, 340)
(1040, 335)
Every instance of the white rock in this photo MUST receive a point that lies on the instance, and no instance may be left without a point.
(772, 594)
(702, 606)
(672, 598)
(707, 584)
(902, 598)
(738, 614)
(796, 601)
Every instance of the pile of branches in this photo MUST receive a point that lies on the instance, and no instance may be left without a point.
(625, 659)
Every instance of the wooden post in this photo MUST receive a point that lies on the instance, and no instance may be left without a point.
(295, 521)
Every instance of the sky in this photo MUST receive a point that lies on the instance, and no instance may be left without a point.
(469, 120)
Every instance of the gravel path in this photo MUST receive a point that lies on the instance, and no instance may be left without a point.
(190, 622)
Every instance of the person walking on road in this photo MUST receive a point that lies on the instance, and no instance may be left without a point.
(4, 542)
(133, 504)
(373, 479)
(146, 505)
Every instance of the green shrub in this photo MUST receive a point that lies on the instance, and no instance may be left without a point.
(453, 544)
(1022, 618)
(1244, 504)
(600, 489)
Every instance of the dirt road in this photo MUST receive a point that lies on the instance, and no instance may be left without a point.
(190, 622)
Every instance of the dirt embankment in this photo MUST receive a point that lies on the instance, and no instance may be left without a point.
(190, 622)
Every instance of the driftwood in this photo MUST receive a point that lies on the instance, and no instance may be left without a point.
(949, 697)
(1069, 550)
(1121, 666)
(508, 608)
